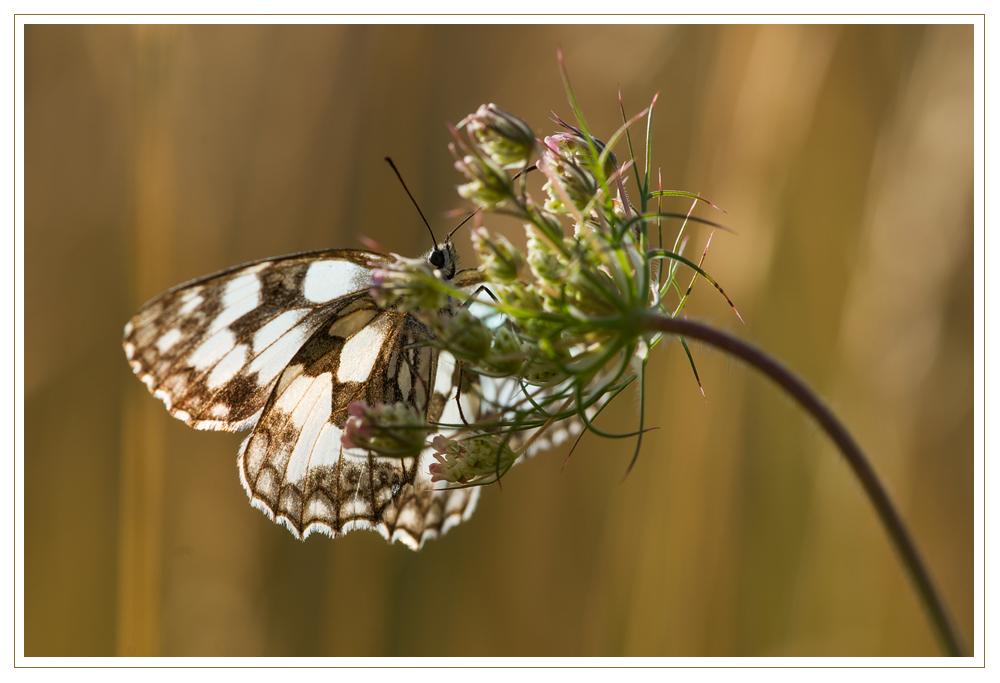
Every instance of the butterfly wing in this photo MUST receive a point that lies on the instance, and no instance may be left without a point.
(505, 396)
(284, 346)
(295, 467)
(212, 349)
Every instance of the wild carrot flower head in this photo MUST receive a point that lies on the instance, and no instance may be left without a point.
(567, 326)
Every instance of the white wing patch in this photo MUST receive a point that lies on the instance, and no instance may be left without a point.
(329, 280)
(290, 394)
(276, 329)
(212, 350)
(310, 416)
(298, 472)
(276, 343)
(190, 300)
(241, 296)
(227, 368)
(164, 343)
(362, 350)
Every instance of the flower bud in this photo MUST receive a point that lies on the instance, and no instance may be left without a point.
(465, 336)
(395, 430)
(506, 355)
(544, 260)
(573, 146)
(488, 184)
(577, 183)
(499, 260)
(506, 139)
(470, 459)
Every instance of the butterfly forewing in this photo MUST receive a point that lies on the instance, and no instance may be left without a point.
(284, 346)
(212, 349)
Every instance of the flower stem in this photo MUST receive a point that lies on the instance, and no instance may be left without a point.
(808, 399)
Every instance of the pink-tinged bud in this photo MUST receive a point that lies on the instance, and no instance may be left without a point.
(503, 137)
(448, 453)
(358, 430)
(488, 184)
(470, 459)
(573, 145)
(575, 181)
(352, 436)
(394, 430)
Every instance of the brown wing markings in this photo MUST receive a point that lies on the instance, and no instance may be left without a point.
(164, 312)
(320, 317)
(374, 476)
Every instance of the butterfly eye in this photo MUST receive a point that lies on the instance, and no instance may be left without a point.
(437, 258)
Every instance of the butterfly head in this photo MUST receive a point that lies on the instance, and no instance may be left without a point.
(444, 257)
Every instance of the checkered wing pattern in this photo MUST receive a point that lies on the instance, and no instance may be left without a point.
(282, 347)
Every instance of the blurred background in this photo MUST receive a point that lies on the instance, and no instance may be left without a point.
(844, 158)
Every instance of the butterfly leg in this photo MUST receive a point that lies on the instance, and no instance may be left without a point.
(472, 297)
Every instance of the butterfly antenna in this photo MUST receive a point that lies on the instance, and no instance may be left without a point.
(468, 218)
(410, 194)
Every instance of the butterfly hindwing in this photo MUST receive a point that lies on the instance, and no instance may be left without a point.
(294, 466)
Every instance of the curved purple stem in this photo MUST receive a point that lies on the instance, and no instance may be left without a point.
(812, 404)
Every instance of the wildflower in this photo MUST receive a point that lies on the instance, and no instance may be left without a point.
(573, 145)
(499, 260)
(503, 137)
(489, 186)
(571, 182)
(506, 355)
(572, 160)
(544, 259)
(471, 458)
(390, 429)
(571, 335)
(464, 335)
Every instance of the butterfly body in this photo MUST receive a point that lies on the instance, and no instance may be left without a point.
(284, 346)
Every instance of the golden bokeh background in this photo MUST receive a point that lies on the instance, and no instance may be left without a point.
(844, 158)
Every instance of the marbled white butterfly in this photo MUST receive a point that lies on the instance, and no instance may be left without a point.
(282, 346)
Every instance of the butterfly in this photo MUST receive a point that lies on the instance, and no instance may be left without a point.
(282, 347)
